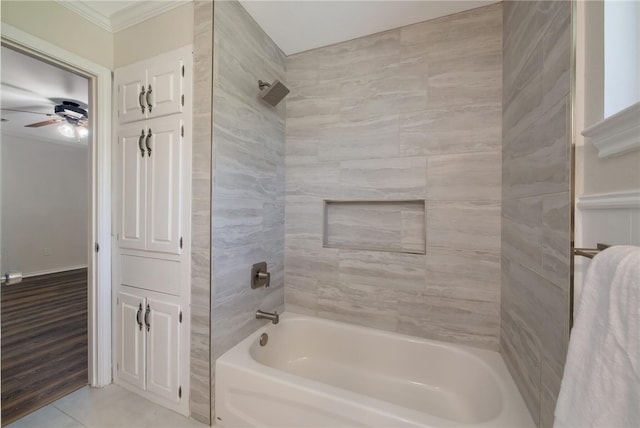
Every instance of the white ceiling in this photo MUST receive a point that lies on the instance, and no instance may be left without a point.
(37, 87)
(299, 25)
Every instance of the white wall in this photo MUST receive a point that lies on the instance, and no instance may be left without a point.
(163, 33)
(44, 205)
(608, 206)
(62, 27)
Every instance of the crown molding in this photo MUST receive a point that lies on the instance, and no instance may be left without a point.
(125, 18)
(614, 200)
(617, 134)
(87, 12)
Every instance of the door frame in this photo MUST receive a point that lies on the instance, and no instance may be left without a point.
(99, 260)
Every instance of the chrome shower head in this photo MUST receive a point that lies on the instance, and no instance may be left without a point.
(272, 93)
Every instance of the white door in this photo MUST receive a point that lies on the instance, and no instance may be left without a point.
(163, 344)
(164, 88)
(131, 346)
(131, 83)
(132, 160)
(164, 173)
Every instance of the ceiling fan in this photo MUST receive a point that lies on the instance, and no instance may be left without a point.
(67, 111)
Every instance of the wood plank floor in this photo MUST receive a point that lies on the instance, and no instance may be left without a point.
(44, 341)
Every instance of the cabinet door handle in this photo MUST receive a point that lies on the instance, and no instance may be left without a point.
(146, 142)
(138, 316)
(140, 140)
(149, 99)
(146, 317)
(141, 99)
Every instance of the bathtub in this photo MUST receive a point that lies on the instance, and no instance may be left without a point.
(319, 373)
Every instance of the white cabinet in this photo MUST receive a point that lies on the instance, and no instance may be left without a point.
(152, 213)
(151, 89)
(148, 349)
(150, 158)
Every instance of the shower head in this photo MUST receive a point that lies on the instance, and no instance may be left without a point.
(272, 93)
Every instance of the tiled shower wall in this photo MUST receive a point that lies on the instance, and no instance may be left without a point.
(200, 358)
(409, 114)
(536, 201)
(248, 177)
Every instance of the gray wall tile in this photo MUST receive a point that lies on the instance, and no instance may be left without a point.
(200, 357)
(248, 186)
(464, 177)
(472, 225)
(536, 211)
(411, 113)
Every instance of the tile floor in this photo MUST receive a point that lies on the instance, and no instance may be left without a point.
(110, 407)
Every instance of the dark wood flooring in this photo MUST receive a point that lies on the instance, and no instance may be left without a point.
(44, 341)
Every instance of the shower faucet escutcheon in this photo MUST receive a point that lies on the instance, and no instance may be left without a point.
(260, 277)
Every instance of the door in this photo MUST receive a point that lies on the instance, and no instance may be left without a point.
(131, 97)
(131, 349)
(44, 233)
(162, 349)
(164, 173)
(164, 88)
(132, 161)
(150, 175)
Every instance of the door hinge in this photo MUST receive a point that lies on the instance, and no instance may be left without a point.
(183, 71)
(182, 100)
(181, 242)
(180, 392)
(97, 247)
(182, 131)
(180, 317)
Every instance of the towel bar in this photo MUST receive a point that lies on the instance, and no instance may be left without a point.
(590, 252)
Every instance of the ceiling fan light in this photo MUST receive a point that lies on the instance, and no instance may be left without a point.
(66, 130)
(82, 132)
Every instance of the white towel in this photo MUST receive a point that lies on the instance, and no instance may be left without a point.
(601, 381)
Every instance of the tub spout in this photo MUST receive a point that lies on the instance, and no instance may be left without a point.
(273, 317)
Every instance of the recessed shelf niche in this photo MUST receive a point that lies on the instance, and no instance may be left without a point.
(393, 226)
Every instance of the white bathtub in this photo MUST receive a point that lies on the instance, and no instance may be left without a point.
(321, 373)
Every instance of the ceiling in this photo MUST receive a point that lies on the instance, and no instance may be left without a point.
(294, 25)
(36, 86)
(300, 25)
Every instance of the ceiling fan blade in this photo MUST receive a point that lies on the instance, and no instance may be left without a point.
(46, 122)
(27, 111)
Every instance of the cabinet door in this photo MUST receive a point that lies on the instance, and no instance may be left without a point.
(132, 183)
(131, 338)
(163, 342)
(164, 179)
(164, 88)
(131, 83)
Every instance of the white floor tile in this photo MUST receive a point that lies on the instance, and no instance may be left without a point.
(46, 417)
(109, 407)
